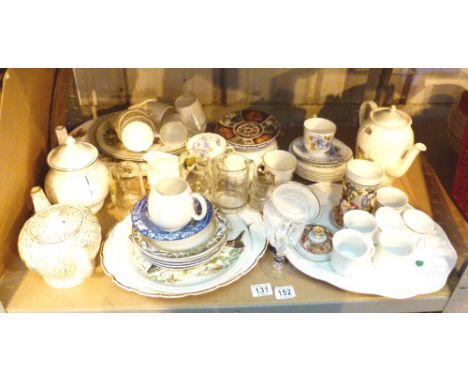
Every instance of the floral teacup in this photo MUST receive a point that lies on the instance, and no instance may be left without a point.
(318, 135)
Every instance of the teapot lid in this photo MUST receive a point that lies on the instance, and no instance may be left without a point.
(390, 117)
(72, 155)
(56, 223)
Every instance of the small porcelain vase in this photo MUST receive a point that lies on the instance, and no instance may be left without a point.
(60, 241)
(76, 174)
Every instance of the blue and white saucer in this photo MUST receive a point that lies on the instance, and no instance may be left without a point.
(171, 240)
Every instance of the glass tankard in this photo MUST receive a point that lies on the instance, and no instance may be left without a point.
(232, 173)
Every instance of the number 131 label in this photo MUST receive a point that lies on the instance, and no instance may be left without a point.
(259, 290)
(284, 292)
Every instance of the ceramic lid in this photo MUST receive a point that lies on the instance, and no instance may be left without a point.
(390, 117)
(56, 224)
(72, 155)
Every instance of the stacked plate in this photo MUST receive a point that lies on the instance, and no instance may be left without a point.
(251, 132)
(321, 167)
(195, 244)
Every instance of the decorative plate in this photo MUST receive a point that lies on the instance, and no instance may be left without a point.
(117, 264)
(142, 222)
(248, 129)
(217, 238)
(337, 155)
(108, 142)
(429, 274)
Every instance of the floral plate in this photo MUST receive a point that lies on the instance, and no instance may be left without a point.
(248, 129)
(117, 264)
(337, 155)
(428, 278)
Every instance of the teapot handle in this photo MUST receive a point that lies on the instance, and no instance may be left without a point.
(363, 110)
(202, 202)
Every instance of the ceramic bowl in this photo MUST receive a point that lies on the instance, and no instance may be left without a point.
(296, 202)
(418, 221)
(193, 234)
(352, 252)
(392, 197)
(388, 218)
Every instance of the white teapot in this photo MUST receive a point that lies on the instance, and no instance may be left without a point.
(76, 174)
(59, 241)
(386, 137)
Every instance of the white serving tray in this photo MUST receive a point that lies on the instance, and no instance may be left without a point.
(429, 278)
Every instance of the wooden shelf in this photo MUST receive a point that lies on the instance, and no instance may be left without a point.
(24, 291)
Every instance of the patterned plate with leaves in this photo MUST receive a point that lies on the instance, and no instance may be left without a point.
(237, 258)
(109, 143)
(248, 129)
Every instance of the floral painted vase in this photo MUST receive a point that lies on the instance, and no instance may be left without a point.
(360, 184)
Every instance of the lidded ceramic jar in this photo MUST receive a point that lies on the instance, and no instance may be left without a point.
(76, 175)
(60, 241)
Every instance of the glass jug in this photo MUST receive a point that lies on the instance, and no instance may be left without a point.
(231, 173)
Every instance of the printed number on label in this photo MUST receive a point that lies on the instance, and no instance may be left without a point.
(285, 292)
(260, 290)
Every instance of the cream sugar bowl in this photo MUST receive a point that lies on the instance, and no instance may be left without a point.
(59, 241)
(171, 204)
(76, 175)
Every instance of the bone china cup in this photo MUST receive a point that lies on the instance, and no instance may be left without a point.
(171, 204)
(352, 252)
(318, 135)
(281, 164)
(395, 251)
(361, 221)
(392, 197)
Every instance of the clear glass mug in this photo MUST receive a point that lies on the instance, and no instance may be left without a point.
(231, 176)
(127, 186)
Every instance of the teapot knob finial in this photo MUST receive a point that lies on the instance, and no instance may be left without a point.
(393, 108)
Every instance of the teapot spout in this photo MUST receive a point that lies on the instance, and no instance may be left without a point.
(39, 199)
(399, 169)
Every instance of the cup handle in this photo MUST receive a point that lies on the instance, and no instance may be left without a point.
(202, 202)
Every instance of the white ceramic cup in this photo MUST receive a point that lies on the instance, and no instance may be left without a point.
(361, 221)
(392, 197)
(352, 252)
(318, 134)
(171, 204)
(156, 109)
(281, 164)
(395, 252)
(173, 132)
(135, 130)
(418, 221)
(191, 110)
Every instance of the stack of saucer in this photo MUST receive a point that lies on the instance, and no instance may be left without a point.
(195, 244)
(321, 167)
